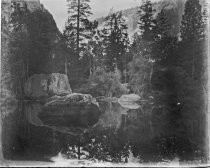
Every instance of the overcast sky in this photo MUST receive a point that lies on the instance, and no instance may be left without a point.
(58, 8)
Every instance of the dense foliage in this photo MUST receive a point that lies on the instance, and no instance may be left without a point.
(103, 83)
(115, 42)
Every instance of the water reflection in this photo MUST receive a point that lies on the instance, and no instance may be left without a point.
(56, 120)
(44, 133)
(113, 115)
(40, 137)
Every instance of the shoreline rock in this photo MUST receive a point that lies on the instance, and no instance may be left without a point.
(76, 98)
(41, 86)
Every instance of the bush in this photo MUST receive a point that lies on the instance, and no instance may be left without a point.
(103, 83)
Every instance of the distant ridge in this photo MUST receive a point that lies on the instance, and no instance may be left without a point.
(173, 8)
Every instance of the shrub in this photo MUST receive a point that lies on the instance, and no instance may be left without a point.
(102, 83)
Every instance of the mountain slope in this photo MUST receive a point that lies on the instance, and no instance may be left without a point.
(173, 8)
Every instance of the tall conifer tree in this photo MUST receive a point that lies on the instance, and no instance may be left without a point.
(146, 22)
(164, 41)
(78, 31)
(192, 32)
(116, 42)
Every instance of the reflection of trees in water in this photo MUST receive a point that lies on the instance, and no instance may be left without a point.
(121, 131)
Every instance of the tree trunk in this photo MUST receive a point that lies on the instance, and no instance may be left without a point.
(125, 76)
(79, 151)
(27, 68)
(76, 74)
(78, 22)
(150, 125)
(193, 61)
(125, 70)
(1, 121)
(90, 66)
(150, 77)
(125, 121)
(66, 68)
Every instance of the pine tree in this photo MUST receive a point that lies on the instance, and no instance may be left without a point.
(164, 42)
(146, 27)
(162, 28)
(192, 32)
(78, 26)
(78, 31)
(146, 22)
(115, 42)
(96, 52)
(205, 17)
(192, 21)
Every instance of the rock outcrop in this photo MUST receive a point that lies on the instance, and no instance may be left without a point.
(74, 98)
(59, 84)
(73, 110)
(129, 101)
(61, 107)
(43, 86)
(64, 113)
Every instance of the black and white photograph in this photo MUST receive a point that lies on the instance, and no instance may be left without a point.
(105, 83)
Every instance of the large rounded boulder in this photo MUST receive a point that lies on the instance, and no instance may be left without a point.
(65, 113)
(41, 86)
(73, 110)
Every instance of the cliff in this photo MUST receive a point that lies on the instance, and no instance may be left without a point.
(173, 8)
(41, 21)
(41, 26)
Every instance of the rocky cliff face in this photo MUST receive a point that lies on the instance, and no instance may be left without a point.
(13, 116)
(173, 8)
(6, 56)
(7, 7)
